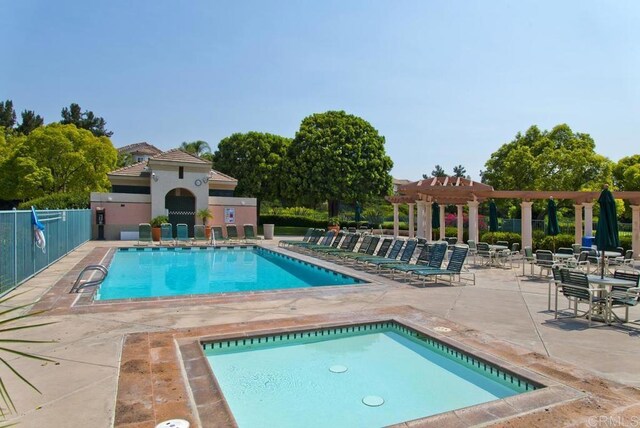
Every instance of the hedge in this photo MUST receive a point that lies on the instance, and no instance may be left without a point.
(290, 220)
(493, 237)
(58, 201)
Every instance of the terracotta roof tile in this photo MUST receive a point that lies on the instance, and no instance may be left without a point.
(179, 155)
(135, 170)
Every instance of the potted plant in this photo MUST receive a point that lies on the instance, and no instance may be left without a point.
(156, 222)
(334, 224)
(205, 215)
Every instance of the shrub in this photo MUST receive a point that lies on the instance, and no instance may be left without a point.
(554, 242)
(493, 237)
(625, 242)
(58, 201)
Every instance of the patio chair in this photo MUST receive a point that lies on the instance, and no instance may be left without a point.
(626, 260)
(166, 234)
(594, 259)
(623, 297)
(582, 262)
(555, 280)
(249, 233)
(473, 249)
(199, 234)
(575, 287)
(217, 237)
(232, 232)
(564, 250)
(504, 243)
(577, 248)
(544, 260)
(454, 267)
(484, 252)
(144, 234)
(305, 238)
(528, 259)
(182, 234)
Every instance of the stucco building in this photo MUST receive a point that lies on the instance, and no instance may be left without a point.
(173, 183)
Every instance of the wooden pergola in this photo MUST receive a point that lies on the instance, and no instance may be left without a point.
(461, 191)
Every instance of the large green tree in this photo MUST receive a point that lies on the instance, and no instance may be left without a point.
(626, 173)
(255, 159)
(337, 157)
(55, 158)
(548, 160)
(85, 120)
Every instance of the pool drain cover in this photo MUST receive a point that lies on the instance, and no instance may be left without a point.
(373, 401)
(337, 369)
(442, 329)
(174, 423)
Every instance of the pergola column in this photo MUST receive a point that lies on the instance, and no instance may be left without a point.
(442, 227)
(473, 220)
(635, 230)
(396, 223)
(420, 205)
(428, 214)
(588, 218)
(460, 223)
(578, 222)
(411, 231)
(527, 235)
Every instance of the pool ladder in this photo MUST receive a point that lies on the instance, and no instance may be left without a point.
(81, 282)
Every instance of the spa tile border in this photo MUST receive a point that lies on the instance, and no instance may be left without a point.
(571, 395)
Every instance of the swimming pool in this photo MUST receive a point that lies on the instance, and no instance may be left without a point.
(157, 272)
(365, 375)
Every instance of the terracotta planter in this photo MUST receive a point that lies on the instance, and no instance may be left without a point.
(156, 233)
(207, 232)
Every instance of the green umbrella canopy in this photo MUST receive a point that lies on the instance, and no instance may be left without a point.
(552, 222)
(607, 229)
(493, 217)
(435, 215)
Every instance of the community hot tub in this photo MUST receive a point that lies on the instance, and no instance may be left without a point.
(373, 374)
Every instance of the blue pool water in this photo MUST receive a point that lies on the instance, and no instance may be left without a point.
(303, 382)
(140, 274)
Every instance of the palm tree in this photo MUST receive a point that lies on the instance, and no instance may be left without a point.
(197, 148)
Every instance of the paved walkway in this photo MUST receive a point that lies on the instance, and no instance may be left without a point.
(79, 389)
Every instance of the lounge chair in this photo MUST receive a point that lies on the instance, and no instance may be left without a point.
(436, 255)
(232, 232)
(391, 255)
(182, 234)
(217, 237)
(166, 234)
(348, 244)
(382, 251)
(305, 238)
(144, 234)
(199, 234)
(406, 255)
(316, 235)
(249, 233)
(368, 249)
(325, 242)
(454, 267)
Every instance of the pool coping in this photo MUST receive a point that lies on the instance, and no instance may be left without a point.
(58, 301)
(166, 374)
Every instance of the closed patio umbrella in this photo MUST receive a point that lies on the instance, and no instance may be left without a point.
(435, 216)
(493, 217)
(552, 221)
(358, 213)
(607, 229)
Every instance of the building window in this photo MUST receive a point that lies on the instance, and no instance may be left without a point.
(180, 172)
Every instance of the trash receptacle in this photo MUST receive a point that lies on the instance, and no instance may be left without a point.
(268, 231)
(587, 241)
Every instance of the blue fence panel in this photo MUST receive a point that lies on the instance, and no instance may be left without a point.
(20, 259)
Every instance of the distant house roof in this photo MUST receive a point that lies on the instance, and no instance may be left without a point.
(179, 155)
(142, 169)
(142, 148)
(400, 181)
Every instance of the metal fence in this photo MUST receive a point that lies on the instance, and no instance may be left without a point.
(514, 225)
(20, 259)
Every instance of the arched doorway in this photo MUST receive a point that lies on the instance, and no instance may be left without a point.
(181, 204)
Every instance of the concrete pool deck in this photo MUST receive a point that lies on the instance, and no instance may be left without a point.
(80, 388)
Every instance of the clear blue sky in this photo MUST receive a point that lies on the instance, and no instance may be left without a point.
(445, 82)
